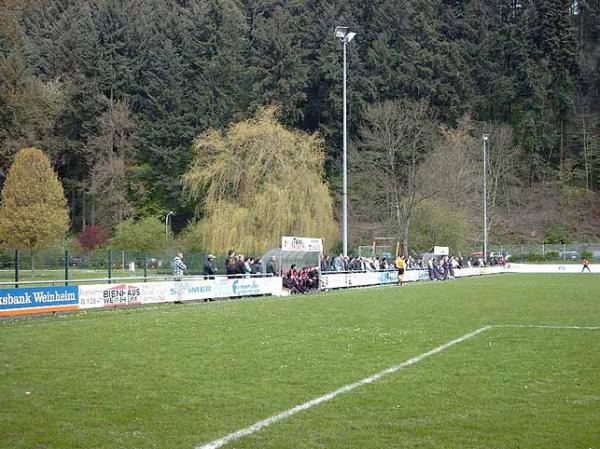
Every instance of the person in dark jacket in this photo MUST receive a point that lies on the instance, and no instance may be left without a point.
(257, 267)
(272, 267)
(210, 268)
(231, 264)
(240, 265)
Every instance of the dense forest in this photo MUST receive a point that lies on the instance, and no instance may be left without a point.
(116, 91)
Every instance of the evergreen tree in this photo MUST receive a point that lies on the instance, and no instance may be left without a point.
(555, 39)
(279, 58)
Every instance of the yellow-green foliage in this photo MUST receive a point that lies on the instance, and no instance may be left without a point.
(261, 181)
(34, 210)
(142, 235)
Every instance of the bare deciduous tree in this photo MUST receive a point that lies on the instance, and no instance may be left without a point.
(395, 138)
(112, 153)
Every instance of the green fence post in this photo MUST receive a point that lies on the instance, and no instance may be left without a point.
(16, 268)
(109, 265)
(145, 267)
(66, 267)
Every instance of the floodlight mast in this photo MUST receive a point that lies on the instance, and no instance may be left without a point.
(485, 138)
(345, 36)
(167, 225)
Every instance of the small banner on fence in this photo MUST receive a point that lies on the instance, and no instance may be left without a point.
(306, 244)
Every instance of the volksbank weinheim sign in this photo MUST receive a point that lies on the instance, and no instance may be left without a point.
(19, 301)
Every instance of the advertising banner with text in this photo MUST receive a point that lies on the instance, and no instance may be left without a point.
(126, 294)
(20, 301)
(301, 244)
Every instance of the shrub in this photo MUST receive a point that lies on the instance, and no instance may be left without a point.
(142, 235)
(551, 255)
(92, 237)
(586, 255)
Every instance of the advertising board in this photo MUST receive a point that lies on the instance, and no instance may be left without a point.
(550, 268)
(358, 279)
(306, 244)
(113, 295)
(127, 294)
(19, 301)
(441, 250)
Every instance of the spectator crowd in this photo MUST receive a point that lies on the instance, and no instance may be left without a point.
(306, 279)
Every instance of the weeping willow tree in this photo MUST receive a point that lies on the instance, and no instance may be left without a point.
(259, 181)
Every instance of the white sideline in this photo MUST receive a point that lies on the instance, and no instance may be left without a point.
(375, 377)
(547, 326)
(346, 388)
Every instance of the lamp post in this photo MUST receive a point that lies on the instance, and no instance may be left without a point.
(167, 225)
(485, 138)
(345, 36)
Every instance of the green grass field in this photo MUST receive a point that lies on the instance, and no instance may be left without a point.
(180, 376)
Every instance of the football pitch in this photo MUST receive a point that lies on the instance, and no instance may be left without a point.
(507, 361)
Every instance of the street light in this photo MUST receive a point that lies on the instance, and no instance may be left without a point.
(345, 36)
(167, 224)
(485, 138)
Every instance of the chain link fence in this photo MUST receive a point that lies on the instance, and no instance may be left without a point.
(574, 252)
(57, 266)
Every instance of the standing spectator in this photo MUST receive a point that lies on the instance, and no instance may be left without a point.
(231, 264)
(271, 267)
(338, 263)
(586, 266)
(248, 265)
(210, 269)
(240, 267)
(178, 266)
(257, 267)
(431, 269)
(376, 264)
(325, 264)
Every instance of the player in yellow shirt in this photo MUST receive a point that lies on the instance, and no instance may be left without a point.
(401, 266)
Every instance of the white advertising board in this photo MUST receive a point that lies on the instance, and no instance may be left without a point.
(550, 268)
(358, 279)
(345, 280)
(441, 250)
(465, 272)
(306, 244)
(123, 294)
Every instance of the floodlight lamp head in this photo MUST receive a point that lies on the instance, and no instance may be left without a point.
(350, 36)
(485, 137)
(341, 32)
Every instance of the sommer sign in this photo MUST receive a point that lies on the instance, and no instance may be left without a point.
(20, 301)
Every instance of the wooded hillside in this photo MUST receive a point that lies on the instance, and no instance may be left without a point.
(117, 90)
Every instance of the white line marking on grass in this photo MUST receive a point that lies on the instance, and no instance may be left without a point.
(345, 389)
(546, 326)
